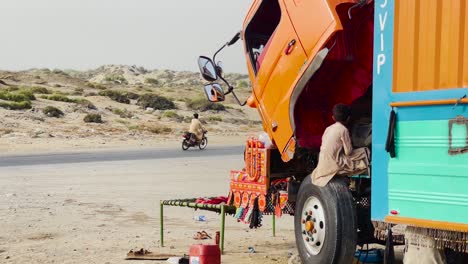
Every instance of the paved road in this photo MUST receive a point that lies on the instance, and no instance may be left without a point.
(116, 155)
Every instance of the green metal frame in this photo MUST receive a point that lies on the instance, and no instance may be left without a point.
(223, 209)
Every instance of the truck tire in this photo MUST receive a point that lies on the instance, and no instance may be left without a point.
(325, 223)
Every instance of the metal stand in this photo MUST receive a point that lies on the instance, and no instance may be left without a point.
(190, 203)
(273, 222)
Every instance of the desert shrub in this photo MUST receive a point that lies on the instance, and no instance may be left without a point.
(123, 113)
(155, 129)
(242, 84)
(51, 111)
(116, 79)
(118, 96)
(152, 81)
(93, 118)
(202, 104)
(133, 96)
(28, 91)
(5, 131)
(10, 89)
(170, 114)
(58, 71)
(14, 96)
(96, 86)
(159, 129)
(215, 118)
(155, 102)
(38, 90)
(123, 122)
(63, 98)
(16, 105)
(85, 103)
(78, 91)
(90, 94)
(58, 97)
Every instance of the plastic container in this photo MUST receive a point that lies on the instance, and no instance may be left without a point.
(371, 256)
(205, 254)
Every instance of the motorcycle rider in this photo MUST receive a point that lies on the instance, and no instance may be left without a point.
(196, 128)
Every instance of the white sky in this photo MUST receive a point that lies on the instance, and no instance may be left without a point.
(84, 34)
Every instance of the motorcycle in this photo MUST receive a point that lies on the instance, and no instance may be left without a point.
(190, 140)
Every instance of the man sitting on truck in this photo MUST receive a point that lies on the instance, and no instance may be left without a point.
(337, 156)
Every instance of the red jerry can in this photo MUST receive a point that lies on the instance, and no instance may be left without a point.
(205, 254)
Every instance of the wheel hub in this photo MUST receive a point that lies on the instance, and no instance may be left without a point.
(313, 225)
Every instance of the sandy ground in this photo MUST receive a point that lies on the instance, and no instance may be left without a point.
(97, 212)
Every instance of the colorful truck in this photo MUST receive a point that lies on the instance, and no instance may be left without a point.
(402, 66)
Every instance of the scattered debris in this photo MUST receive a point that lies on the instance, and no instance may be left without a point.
(178, 260)
(252, 250)
(200, 218)
(201, 235)
(295, 259)
(147, 255)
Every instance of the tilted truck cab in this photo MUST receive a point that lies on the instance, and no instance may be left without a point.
(402, 66)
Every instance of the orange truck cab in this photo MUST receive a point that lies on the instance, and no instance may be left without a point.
(402, 68)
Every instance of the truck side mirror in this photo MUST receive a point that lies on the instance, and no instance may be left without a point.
(214, 92)
(234, 39)
(207, 69)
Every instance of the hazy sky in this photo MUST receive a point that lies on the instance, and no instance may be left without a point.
(83, 34)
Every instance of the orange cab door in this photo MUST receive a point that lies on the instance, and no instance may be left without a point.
(281, 63)
(314, 21)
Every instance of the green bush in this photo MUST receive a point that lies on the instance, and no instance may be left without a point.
(93, 118)
(155, 102)
(123, 113)
(116, 79)
(78, 91)
(133, 96)
(215, 118)
(63, 98)
(26, 90)
(15, 97)
(170, 114)
(85, 103)
(152, 81)
(202, 104)
(242, 84)
(51, 111)
(152, 129)
(118, 96)
(159, 129)
(58, 97)
(38, 90)
(96, 86)
(16, 105)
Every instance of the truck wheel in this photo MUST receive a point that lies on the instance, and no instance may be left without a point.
(325, 223)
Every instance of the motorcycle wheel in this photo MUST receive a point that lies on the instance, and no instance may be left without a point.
(185, 145)
(203, 143)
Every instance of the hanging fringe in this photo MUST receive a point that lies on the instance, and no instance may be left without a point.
(434, 238)
(423, 237)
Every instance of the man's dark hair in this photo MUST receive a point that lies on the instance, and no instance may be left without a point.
(195, 115)
(341, 112)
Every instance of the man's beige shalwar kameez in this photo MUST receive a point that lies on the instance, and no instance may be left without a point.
(196, 128)
(337, 156)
